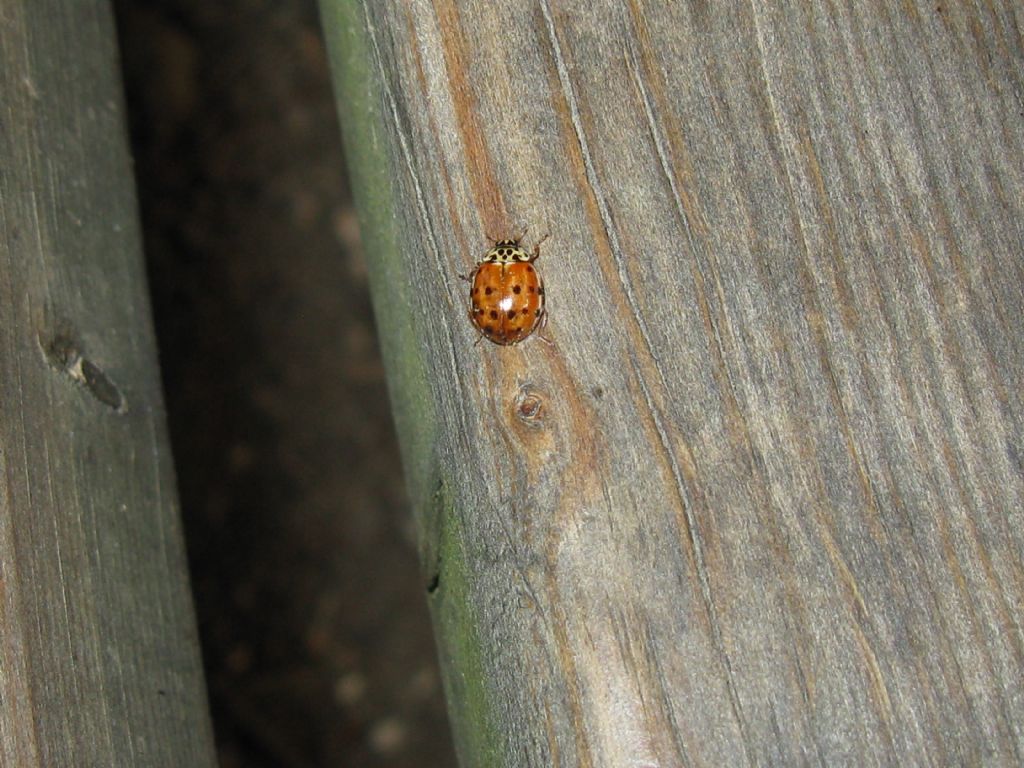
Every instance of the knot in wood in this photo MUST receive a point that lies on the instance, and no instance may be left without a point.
(529, 406)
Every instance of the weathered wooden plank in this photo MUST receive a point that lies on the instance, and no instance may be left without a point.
(99, 661)
(760, 501)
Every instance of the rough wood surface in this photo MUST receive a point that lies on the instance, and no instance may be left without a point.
(761, 501)
(99, 661)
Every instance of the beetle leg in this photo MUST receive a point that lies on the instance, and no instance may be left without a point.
(472, 320)
(536, 247)
(541, 325)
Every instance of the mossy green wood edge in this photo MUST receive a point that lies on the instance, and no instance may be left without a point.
(465, 681)
(361, 103)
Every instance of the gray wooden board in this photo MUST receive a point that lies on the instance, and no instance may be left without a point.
(760, 500)
(99, 661)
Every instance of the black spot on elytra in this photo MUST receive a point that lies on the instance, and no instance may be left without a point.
(488, 290)
(517, 288)
(511, 314)
(494, 315)
(488, 329)
(532, 289)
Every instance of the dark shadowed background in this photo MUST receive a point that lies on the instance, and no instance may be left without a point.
(316, 640)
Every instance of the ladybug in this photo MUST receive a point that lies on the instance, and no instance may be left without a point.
(506, 295)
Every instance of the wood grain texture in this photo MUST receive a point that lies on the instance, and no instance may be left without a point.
(99, 660)
(762, 499)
